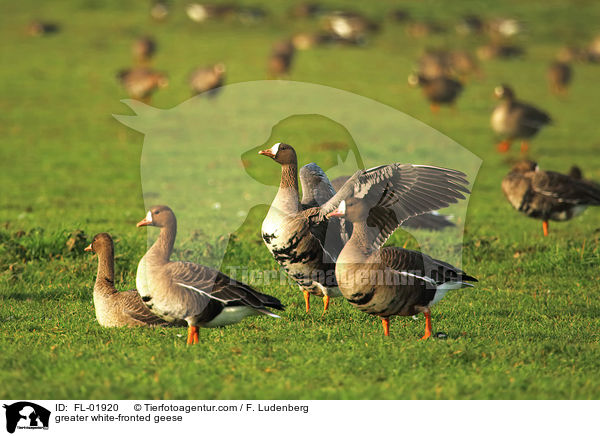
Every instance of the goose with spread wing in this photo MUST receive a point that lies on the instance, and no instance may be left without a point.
(192, 293)
(305, 248)
(394, 281)
(427, 221)
(114, 308)
(548, 195)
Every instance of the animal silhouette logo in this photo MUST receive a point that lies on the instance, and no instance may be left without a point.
(26, 415)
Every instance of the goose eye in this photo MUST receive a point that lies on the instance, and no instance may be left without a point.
(156, 212)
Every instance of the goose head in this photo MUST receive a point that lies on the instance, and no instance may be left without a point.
(504, 92)
(101, 243)
(281, 153)
(525, 166)
(352, 209)
(158, 216)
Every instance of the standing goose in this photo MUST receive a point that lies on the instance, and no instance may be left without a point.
(438, 90)
(305, 248)
(114, 308)
(427, 221)
(548, 195)
(143, 49)
(185, 291)
(389, 281)
(513, 119)
(281, 58)
(207, 79)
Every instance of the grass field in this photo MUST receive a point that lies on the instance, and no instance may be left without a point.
(529, 330)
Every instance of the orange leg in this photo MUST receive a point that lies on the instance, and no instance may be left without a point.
(325, 303)
(307, 300)
(192, 337)
(524, 147)
(503, 146)
(427, 325)
(545, 227)
(386, 326)
(435, 108)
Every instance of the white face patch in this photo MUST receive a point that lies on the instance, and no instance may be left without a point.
(275, 148)
(149, 217)
(342, 207)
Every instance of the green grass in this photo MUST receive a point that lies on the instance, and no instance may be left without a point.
(530, 329)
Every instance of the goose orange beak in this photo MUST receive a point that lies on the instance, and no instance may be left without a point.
(340, 211)
(147, 221)
(88, 248)
(267, 152)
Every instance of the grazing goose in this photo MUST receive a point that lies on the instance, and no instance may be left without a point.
(114, 308)
(438, 90)
(500, 50)
(39, 28)
(143, 49)
(140, 83)
(548, 195)
(559, 77)
(207, 79)
(349, 27)
(427, 221)
(305, 249)
(513, 119)
(389, 281)
(185, 291)
(280, 60)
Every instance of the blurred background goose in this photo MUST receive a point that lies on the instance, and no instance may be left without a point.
(281, 58)
(438, 90)
(187, 292)
(143, 50)
(559, 77)
(548, 195)
(140, 82)
(114, 308)
(513, 119)
(207, 80)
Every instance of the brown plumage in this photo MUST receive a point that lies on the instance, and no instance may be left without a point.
(187, 292)
(143, 49)
(207, 79)
(513, 119)
(114, 308)
(349, 27)
(548, 195)
(559, 77)
(438, 90)
(499, 50)
(40, 28)
(389, 281)
(444, 63)
(281, 58)
(140, 83)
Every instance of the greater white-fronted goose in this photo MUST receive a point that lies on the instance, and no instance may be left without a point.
(443, 63)
(427, 221)
(470, 24)
(200, 12)
(559, 77)
(143, 49)
(305, 248)
(185, 291)
(114, 308)
(281, 58)
(390, 281)
(500, 50)
(548, 195)
(207, 79)
(438, 90)
(40, 28)
(349, 27)
(513, 119)
(140, 82)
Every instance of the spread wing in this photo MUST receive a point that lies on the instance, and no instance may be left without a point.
(316, 187)
(564, 189)
(397, 192)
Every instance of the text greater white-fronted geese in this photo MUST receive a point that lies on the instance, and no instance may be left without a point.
(438, 90)
(513, 119)
(548, 195)
(207, 79)
(427, 221)
(114, 308)
(304, 245)
(394, 281)
(185, 291)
